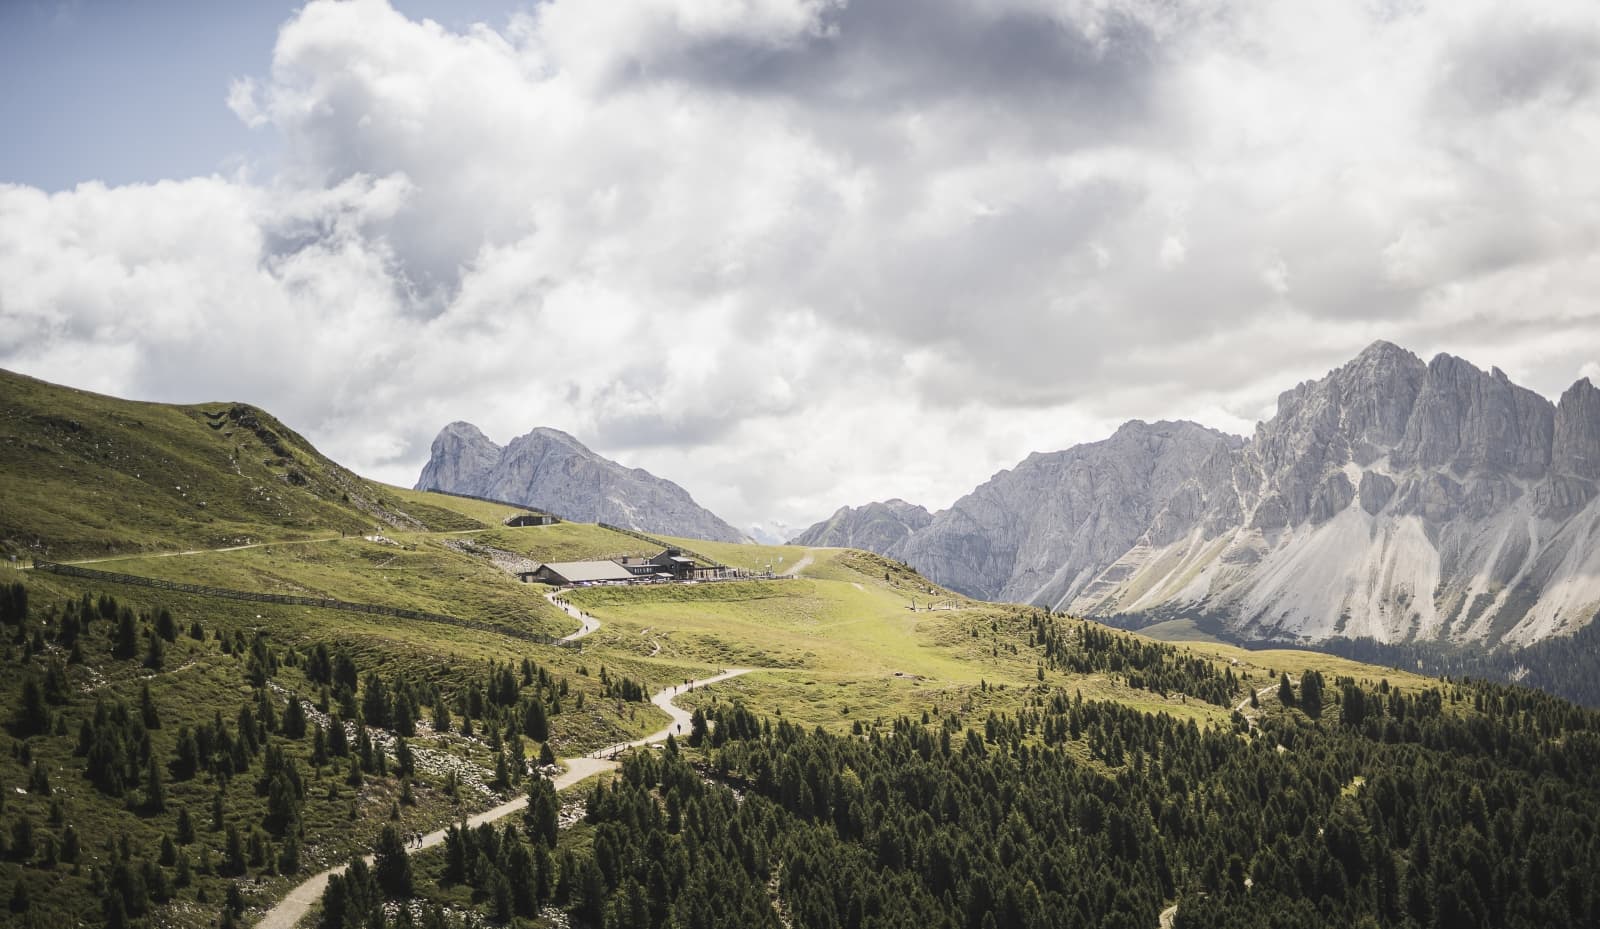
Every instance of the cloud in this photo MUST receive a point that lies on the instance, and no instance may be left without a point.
(800, 253)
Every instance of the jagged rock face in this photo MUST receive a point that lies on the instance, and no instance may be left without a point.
(877, 527)
(461, 457)
(1577, 432)
(551, 470)
(1052, 523)
(1391, 498)
(1376, 491)
(1467, 420)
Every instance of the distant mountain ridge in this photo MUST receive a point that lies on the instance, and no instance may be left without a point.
(877, 527)
(1392, 498)
(551, 470)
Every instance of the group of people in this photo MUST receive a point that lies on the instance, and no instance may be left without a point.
(413, 840)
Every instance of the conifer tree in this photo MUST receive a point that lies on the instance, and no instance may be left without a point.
(32, 716)
(155, 793)
(166, 626)
(542, 816)
(441, 715)
(126, 641)
(147, 708)
(155, 655)
(391, 865)
(294, 719)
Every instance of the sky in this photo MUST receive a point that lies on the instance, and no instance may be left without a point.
(792, 254)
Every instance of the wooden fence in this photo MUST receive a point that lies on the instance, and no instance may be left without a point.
(516, 506)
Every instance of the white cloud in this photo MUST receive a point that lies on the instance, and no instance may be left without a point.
(801, 253)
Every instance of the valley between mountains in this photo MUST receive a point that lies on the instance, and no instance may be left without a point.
(237, 677)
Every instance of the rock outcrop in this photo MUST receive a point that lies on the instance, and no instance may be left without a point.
(551, 470)
(879, 527)
(1392, 498)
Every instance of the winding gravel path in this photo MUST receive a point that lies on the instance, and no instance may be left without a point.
(800, 565)
(589, 623)
(298, 902)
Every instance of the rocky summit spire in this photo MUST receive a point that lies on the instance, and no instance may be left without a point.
(553, 471)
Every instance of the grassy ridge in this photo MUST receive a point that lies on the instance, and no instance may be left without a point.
(84, 475)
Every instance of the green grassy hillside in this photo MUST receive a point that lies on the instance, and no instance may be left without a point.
(84, 475)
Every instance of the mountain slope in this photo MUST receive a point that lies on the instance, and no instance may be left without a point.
(552, 470)
(1393, 498)
(880, 527)
(83, 474)
(1057, 520)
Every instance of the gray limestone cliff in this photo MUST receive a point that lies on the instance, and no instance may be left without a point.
(880, 527)
(1392, 498)
(550, 470)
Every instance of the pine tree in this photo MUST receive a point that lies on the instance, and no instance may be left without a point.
(294, 719)
(233, 853)
(319, 747)
(33, 716)
(338, 739)
(22, 838)
(542, 816)
(127, 637)
(147, 708)
(155, 655)
(1311, 693)
(289, 855)
(375, 704)
(535, 724)
(502, 906)
(166, 626)
(186, 756)
(335, 904)
(404, 713)
(1285, 690)
(155, 793)
(19, 897)
(391, 865)
(441, 715)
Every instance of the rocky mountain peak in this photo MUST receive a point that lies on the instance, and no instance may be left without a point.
(551, 470)
(880, 527)
(1391, 497)
(1576, 440)
(461, 455)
